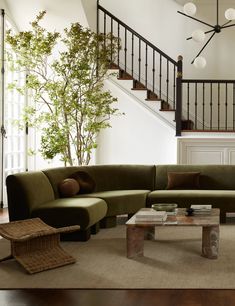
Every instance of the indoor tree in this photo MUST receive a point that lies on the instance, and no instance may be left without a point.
(64, 79)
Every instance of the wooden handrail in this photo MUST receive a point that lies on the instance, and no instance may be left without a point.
(207, 81)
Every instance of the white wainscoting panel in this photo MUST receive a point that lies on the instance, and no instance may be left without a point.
(199, 151)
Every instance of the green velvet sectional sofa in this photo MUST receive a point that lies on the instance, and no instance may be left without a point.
(120, 189)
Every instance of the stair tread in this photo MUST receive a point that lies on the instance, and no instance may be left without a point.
(113, 66)
(153, 99)
(125, 78)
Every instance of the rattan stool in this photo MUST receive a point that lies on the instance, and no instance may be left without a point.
(35, 245)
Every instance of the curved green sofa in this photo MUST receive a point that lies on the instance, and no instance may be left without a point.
(120, 189)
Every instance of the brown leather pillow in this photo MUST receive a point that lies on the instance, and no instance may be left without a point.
(85, 181)
(68, 187)
(183, 180)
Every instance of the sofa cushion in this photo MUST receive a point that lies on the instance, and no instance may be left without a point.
(183, 180)
(71, 211)
(69, 187)
(85, 181)
(223, 199)
(121, 201)
(213, 177)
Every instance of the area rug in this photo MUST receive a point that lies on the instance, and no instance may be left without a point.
(173, 260)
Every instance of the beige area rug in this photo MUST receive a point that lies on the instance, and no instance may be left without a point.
(171, 261)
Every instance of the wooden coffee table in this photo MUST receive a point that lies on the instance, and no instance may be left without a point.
(137, 232)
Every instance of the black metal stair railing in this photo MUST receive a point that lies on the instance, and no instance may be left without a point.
(209, 105)
(138, 59)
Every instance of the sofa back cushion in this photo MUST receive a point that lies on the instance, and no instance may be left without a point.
(212, 177)
(26, 190)
(108, 177)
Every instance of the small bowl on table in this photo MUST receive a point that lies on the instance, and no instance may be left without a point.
(168, 207)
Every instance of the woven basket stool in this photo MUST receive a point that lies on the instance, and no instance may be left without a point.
(35, 245)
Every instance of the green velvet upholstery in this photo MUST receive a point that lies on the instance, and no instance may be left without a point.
(108, 177)
(217, 187)
(121, 201)
(26, 190)
(71, 211)
(223, 199)
(212, 177)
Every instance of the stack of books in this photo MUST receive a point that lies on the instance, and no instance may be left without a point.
(201, 209)
(150, 215)
(230, 217)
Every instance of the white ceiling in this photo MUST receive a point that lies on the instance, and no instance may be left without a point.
(60, 13)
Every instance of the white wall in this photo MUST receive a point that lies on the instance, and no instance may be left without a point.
(138, 137)
(60, 13)
(90, 9)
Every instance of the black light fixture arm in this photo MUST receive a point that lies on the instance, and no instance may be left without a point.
(226, 23)
(203, 47)
(209, 25)
(229, 26)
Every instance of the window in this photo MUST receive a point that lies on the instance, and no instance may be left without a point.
(14, 139)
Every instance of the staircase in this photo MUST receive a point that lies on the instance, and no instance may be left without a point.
(143, 96)
(149, 68)
(190, 105)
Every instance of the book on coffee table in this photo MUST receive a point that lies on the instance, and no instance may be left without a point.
(151, 215)
(200, 209)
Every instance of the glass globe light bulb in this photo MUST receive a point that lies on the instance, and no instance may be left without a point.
(198, 35)
(190, 9)
(230, 14)
(200, 62)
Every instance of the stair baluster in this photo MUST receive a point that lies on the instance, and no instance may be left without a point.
(178, 112)
(218, 102)
(226, 106)
(146, 65)
(174, 88)
(203, 106)
(211, 105)
(195, 111)
(233, 106)
(160, 77)
(125, 50)
(167, 82)
(132, 54)
(139, 60)
(153, 70)
(188, 105)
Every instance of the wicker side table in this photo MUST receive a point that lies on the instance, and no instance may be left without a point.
(35, 245)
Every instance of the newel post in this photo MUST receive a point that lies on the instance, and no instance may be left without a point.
(178, 112)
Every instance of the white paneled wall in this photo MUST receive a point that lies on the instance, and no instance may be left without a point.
(206, 151)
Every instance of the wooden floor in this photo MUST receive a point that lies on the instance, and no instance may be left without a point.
(167, 297)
